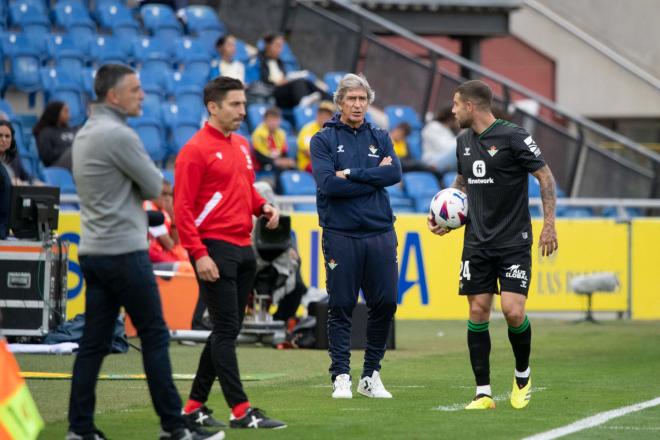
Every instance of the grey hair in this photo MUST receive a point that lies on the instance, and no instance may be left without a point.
(352, 81)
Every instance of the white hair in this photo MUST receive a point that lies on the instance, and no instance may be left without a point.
(351, 81)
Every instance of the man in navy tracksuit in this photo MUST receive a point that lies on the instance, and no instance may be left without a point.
(353, 161)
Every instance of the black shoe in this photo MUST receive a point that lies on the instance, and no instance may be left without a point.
(186, 434)
(92, 435)
(255, 418)
(202, 417)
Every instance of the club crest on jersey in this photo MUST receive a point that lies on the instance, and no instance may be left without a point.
(492, 150)
(467, 151)
(332, 264)
(515, 272)
(340, 149)
(373, 149)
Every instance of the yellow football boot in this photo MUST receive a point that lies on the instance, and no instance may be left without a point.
(482, 401)
(520, 396)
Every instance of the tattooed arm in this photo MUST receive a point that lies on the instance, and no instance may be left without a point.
(548, 240)
(459, 183)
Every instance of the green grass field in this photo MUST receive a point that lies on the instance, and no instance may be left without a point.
(578, 370)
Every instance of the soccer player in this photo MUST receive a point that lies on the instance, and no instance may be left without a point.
(352, 162)
(494, 158)
(214, 203)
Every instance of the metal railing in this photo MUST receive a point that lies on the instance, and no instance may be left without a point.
(324, 41)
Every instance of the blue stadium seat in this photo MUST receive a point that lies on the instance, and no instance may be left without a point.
(422, 203)
(292, 145)
(255, 115)
(304, 207)
(169, 176)
(197, 68)
(414, 142)
(420, 183)
(153, 101)
(252, 70)
(152, 76)
(21, 42)
(182, 131)
(242, 53)
(286, 126)
(88, 76)
(533, 187)
(448, 178)
(152, 134)
(397, 114)
(74, 96)
(331, 79)
(61, 177)
(297, 183)
(173, 115)
(115, 16)
(199, 19)
(189, 98)
(574, 212)
(303, 115)
(29, 17)
(187, 79)
(396, 191)
(6, 108)
(69, 15)
(188, 47)
(402, 204)
(110, 49)
(535, 211)
(24, 70)
(161, 22)
(150, 50)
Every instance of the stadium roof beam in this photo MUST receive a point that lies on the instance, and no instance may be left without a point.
(459, 18)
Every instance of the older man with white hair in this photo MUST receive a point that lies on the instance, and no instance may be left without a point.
(353, 161)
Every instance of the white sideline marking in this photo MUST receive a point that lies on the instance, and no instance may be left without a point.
(630, 428)
(594, 420)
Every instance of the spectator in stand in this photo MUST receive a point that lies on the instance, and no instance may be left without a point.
(323, 114)
(439, 141)
(269, 143)
(54, 136)
(11, 160)
(409, 163)
(7, 153)
(164, 245)
(227, 65)
(287, 89)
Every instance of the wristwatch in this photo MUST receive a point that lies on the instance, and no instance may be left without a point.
(347, 172)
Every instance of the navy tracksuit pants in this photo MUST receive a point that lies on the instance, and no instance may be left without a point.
(352, 263)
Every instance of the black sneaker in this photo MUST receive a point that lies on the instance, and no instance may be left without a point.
(255, 418)
(92, 435)
(186, 434)
(202, 417)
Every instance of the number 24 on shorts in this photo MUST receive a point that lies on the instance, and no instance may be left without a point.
(464, 272)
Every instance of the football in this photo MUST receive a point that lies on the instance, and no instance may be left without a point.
(449, 208)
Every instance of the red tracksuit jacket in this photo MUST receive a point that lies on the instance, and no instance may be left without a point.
(213, 193)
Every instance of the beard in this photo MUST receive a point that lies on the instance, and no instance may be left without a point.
(464, 123)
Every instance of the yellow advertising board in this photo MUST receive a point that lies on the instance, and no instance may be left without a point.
(429, 265)
(645, 264)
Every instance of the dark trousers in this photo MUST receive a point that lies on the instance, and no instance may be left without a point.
(226, 299)
(288, 95)
(370, 264)
(114, 281)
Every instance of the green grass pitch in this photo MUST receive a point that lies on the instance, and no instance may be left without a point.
(578, 370)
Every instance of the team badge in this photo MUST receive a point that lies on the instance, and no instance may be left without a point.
(492, 150)
(332, 264)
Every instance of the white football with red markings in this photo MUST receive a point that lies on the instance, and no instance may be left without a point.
(449, 208)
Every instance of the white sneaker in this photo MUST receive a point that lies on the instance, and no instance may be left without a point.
(373, 387)
(341, 388)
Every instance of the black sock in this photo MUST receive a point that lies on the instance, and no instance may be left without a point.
(521, 342)
(478, 340)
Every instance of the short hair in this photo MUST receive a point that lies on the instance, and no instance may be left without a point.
(108, 76)
(10, 153)
(405, 127)
(352, 81)
(273, 112)
(269, 38)
(476, 91)
(444, 114)
(222, 38)
(216, 89)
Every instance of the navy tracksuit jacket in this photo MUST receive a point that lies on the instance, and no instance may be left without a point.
(359, 243)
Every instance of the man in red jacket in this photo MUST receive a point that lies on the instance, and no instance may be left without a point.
(214, 204)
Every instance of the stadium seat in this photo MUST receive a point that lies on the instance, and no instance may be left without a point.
(74, 96)
(331, 79)
(110, 49)
(574, 212)
(396, 191)
(24, 70)
(21, 42)
(402, 204)
(397, 114)
(6, 108)
(533, 187)
(297, 183)
(182, 131)
(197, 68)
(29, 17)
(188, 47)
(303, 115)
(190, 101)
(168, 175)
(150, 50)
(292, 146)
(421, 203)
(69, 15)
(154, 77)
(252, 70)
(448, 178)
(242, 53)
(199, 19)
(115, 16)
(535, 211)
(153, 101)
(420, 183)
(61, 177)
(255, 115)
(414, 142)
(161, 22)
(151, 132)
(68, 56)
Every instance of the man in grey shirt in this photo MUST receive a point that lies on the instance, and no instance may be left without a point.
(114, 174)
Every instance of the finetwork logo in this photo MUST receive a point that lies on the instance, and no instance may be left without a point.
(488, 181)
(516, 273)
